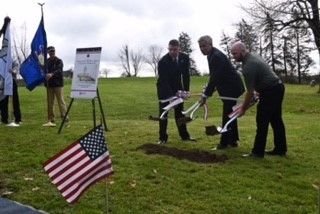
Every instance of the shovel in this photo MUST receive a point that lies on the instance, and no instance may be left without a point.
(167, 108)
(192, 109)
(215, 130)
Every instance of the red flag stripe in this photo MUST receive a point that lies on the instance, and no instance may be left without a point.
(66, 163)
(72, 184)
(54, 160)
(85, 188)
(87, 177)
(84, 170)
(100, 175)
(77, 166)
(70, 175)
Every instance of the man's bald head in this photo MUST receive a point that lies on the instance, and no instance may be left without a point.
(238, 51)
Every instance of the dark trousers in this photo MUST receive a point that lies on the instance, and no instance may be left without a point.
(163, 136)
(4, 109)
(15, 104)
(231, 136)
(269, 110)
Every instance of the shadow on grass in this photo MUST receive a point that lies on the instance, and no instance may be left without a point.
(193, 155)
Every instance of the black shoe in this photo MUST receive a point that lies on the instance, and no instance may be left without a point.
(191, 139)
(162, 142)
(274, 153)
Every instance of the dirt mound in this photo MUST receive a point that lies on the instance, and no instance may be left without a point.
(193, 155)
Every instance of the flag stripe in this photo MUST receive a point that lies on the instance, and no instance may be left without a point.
(66, 161)
(76, 173)
(80, 165)
(54, 160)
(77, 166)
(87, 185)
(99, 174)
(76, 183)
(76, 177)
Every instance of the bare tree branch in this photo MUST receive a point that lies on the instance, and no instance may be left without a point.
(153, 57)
(137, 61)
(125, 60)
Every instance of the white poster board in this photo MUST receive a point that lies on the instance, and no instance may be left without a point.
(86, 72)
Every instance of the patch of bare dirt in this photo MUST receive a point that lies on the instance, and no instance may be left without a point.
(193, 155)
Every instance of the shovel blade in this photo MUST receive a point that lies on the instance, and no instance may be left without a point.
(154, 118)
(213, 130)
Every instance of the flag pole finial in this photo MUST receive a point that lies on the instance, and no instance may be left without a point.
(41, 5)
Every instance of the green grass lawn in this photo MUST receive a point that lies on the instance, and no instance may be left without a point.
(164, 184)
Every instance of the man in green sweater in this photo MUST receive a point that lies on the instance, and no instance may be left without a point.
(260, 78)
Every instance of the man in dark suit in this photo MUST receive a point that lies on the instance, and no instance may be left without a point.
(173, 75)
(225, 80)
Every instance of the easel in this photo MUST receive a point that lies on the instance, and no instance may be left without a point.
(93, 112)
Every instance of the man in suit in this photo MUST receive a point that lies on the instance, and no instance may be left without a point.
(225, 80)
(173, 75)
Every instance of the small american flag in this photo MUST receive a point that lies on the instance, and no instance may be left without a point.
(80, 165)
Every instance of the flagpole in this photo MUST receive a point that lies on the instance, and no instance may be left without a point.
(107, 197)
(45, 51)
(41, 5)
(107, 191)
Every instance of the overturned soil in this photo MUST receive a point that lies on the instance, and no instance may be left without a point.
(193, 155)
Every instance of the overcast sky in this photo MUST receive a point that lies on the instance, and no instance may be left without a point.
(71, 24)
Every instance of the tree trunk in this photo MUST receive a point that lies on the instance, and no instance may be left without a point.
(314, 24)
(298, 56)
(272, 51)
(285, 48)
(260, 47)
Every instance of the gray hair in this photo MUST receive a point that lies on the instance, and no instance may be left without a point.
(205, 39)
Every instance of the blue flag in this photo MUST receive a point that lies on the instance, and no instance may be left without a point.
(33, 69)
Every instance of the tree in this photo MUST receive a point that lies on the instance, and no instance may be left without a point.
(105, 72)
(288, 13)
(301, 40)
(185, 46)
(287, 54)
(269, 31)
(125, 60)
(153, 57)
(225, 43)
(21, 46)
(137, 61)
(246, 34)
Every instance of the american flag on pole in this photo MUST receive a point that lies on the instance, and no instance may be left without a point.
(80, 165)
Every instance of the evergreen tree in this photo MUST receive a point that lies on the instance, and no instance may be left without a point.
(225, 44)
(246, 34)
(299, 37)
(185, 45)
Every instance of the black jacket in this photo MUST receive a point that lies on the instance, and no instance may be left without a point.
(55, 67)
(173, 76)
(223, 76)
